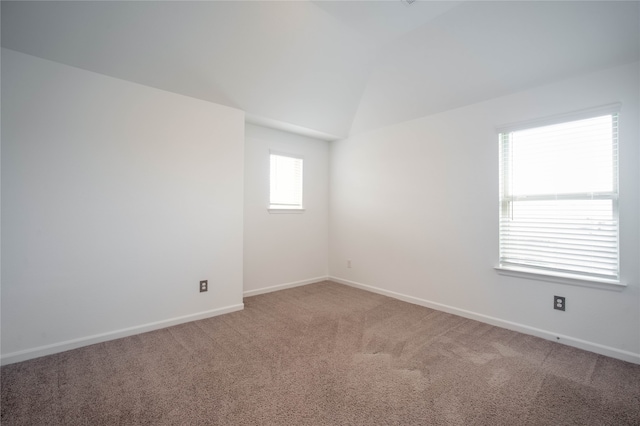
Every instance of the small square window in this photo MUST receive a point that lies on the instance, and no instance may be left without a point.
(285, 182)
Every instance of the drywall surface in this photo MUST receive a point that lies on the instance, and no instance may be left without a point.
(414, 206)
(117, 199)
(284, 249)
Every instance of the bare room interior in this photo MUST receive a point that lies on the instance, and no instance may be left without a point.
(320, 212)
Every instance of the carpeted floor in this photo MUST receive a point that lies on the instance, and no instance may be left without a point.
(324, 354)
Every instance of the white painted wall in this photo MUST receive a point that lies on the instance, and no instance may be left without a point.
(116, 200)
(415, 208)
(288, 249)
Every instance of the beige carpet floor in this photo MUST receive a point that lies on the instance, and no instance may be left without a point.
(324, 354)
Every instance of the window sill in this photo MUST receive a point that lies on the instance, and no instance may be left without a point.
(284, 211)
(560, 278)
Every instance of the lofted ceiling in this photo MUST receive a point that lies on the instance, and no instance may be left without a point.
(330, 68)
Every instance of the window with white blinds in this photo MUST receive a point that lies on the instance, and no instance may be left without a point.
(559, 199)
(285, 181)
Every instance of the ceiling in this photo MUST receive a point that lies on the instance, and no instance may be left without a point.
(330, 68)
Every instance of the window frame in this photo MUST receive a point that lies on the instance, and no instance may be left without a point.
(278, 208)
(531, 272)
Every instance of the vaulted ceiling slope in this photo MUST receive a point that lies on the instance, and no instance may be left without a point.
(330, 68)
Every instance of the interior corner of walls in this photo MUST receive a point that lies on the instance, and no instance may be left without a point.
(283, 250)
(284, 286)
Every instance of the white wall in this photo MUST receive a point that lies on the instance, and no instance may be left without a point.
(116, 200)
(415, 208)
(284, 250)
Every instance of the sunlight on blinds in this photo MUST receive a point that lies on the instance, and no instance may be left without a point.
(559, 198)
(285, 182)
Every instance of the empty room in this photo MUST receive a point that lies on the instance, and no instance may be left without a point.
(400, 212)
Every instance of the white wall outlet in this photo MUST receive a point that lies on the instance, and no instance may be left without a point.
(348, 263)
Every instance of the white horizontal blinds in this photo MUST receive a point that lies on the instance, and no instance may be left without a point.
(559, 198)
(285, 182)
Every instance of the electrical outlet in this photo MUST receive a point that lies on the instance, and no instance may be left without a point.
(204, 286)
(559, 303)
(348, 263)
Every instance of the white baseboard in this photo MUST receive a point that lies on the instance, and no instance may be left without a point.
(263, 290)
(544, 334)
(54, 348)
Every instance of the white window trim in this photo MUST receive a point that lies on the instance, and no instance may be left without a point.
(287, 210)
(551, 276)
(296, 210)
(560, 278)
